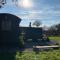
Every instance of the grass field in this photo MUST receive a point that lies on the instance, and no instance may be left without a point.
(42, 55)
(56, 38)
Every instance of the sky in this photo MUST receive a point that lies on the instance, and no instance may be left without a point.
(46, 11)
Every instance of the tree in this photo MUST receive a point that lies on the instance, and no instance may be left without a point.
(58, 29)
(58, 26)
(2, 2)
(54, 30)
(37, 23)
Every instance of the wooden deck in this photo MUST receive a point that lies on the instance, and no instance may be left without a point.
(42, 47)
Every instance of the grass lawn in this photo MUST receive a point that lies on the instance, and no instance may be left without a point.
(44, 55)
(56, 38)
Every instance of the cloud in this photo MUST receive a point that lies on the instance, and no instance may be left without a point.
(44, 10)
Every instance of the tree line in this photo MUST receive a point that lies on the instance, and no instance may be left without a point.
(54, 30)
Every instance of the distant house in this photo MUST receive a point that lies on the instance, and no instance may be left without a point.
(9, 30)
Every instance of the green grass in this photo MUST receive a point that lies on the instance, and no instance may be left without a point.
(49, 55)
(56, 38)
(43, 55)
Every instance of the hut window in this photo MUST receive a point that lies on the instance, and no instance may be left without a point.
(6, 25)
